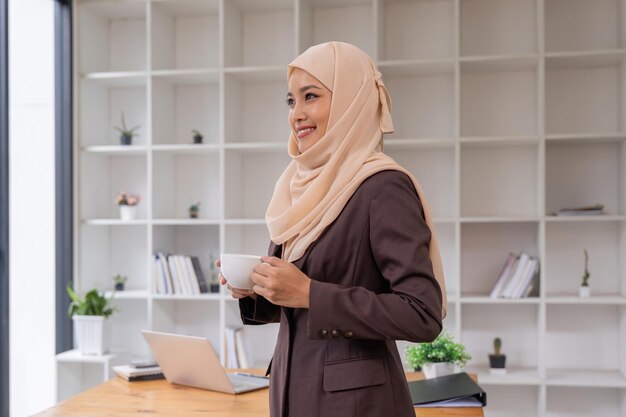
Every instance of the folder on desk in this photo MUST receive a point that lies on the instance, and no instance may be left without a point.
(456, 390)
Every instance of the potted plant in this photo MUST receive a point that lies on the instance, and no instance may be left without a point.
(497, 360)
(119, 281)
(197, 136)
(441, 357)
(585, 290)
(88, 315)
(193, 210)
(127, 203)
(127, 134)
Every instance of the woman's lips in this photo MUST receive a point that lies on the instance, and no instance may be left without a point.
(301, 133)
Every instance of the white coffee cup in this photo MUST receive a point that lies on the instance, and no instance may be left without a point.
(237, 269)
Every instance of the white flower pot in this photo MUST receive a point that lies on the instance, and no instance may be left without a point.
(127, 213)
(437, 369)
(89, 334)
(584, 291)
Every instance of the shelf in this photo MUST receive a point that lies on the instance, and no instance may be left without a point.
(118, 78)
(128, 295)
(601, 299)
(586, 137)
(115, 222)
(116, 149)
(513, 376)
(197, 297)
(185, 149)
(485, 299)
(585, 378)
(185, 222)
(584, 219)
(589, 59)
(74, 355)
(495, 219)
(499, 141)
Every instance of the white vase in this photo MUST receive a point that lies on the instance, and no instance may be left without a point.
(127, 213)
(437, 369)
(89, 334)
(584, 291)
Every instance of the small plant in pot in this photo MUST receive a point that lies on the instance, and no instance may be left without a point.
(126, 134)
(119, 281)
(194, 209)
(88, 315)
(585, 290)
(127, 203)
(441, 357)
(497, 360)
(197, 136)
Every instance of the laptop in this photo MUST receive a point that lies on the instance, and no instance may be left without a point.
(192, 361)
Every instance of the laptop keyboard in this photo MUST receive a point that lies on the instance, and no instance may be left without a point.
(243, 382)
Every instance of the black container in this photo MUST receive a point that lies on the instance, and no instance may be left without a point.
(126, 139)
(497, 361)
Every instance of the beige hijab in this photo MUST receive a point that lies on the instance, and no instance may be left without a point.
(317, 184)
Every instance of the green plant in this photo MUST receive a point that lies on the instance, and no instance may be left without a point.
(196, 133)
(120, 279)
(126, 131)
(95, 303)
(442, 349)
(497, 345)
(194, 207)
(586, 275)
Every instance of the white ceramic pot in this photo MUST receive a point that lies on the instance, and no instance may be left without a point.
(437, 369)
(127, 213)
(89, 334)
(584, 291)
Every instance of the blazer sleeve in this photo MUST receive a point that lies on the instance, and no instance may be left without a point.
(259, 311)
(399, 238)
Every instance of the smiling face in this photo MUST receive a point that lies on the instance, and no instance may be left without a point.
(309, 108)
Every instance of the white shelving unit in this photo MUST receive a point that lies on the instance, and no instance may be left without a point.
(505, 110)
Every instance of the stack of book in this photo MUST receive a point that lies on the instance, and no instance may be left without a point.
(518, 278)
(132, 373)
(237, 355)
(178, 274)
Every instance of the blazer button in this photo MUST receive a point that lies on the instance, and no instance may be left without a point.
(323, 333)
(348, 334)
(335, 333)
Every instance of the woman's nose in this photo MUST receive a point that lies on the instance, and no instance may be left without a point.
(297, 114)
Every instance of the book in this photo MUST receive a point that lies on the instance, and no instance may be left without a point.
(455, 390)
(132, 373)
(199, 275)
(517, 276)
(504, 276)
(191, 273)
(597, 209)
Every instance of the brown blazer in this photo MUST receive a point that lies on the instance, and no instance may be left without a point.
(372, 284)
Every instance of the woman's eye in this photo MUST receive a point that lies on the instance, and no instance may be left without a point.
(310, 96)
(290, 102)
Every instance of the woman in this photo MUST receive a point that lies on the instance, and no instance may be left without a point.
(354, 263)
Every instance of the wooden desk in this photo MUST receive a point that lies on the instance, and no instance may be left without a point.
(147, 398)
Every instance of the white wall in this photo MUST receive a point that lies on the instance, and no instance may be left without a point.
(31, 195)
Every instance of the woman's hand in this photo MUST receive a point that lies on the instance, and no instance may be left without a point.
(281, 282)
(234, 292)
